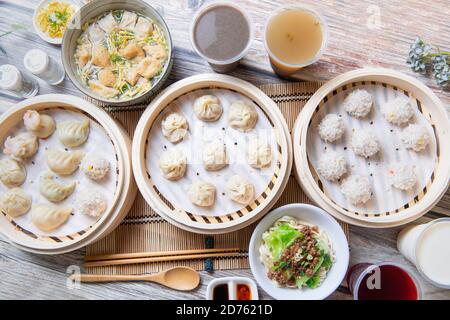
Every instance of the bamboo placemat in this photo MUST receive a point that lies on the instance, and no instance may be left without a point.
(144, 230)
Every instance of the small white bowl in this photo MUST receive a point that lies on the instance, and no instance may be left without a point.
(232, 283)
(324, 221)
(38, 31)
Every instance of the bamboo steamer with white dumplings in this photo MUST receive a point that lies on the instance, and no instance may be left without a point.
(212, 154)
(76, 180)
(371, 147)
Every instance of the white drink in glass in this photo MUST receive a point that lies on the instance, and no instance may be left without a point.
(428, 247)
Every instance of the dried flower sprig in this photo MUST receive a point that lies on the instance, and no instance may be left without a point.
(421, 55)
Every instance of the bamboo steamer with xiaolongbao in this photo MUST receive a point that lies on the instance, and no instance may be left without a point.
(230, 162)
(371, 147)
(71, 183)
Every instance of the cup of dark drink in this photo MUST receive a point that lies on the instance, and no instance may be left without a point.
(221, 33)
(382, 281)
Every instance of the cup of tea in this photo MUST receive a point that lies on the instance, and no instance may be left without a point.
(382, 281)
(222, 33)
(427, 246)
(294, 37)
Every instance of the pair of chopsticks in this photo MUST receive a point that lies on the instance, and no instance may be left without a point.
(145, 257)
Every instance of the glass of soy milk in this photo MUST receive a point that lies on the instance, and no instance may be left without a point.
(294, 38)
(428, 247)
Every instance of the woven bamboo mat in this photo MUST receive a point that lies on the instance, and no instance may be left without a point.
(144, 230)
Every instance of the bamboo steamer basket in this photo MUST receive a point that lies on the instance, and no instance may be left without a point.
(125, 190)
(228, 222)
(432, 109)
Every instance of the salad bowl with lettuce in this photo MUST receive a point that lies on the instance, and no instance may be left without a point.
(299, 252)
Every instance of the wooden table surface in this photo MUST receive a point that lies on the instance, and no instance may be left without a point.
(362, 33)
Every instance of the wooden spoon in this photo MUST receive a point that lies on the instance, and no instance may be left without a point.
(178, 278)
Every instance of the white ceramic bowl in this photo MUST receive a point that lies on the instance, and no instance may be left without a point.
(325, 222)
(38, 31)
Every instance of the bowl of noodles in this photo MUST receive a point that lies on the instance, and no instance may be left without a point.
(117, 52)
(299, 252)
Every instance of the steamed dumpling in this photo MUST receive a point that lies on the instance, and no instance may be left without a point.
(73, 133)
(102, 90)
(52, 190)
(22, 146)
(202, 193)
(143, 28)
(174, 127)
(92, 204)
(173, 164)
(128, 20)
(94, 166)
(240, 190)
(12, 173)
(15, 202)
(208, 108)
(108, 23)
(41, 125)
(48, 218)
(215, 156)
(63, 162)
(242, 116)
(259, 153)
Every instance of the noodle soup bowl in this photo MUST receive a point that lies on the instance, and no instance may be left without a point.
(87, 14)
(310, 215)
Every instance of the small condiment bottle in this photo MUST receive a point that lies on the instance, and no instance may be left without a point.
(39, 63)
(16, 84)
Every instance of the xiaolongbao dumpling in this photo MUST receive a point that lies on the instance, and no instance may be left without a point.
(242, 116)
(73, 133)
(174, 127)
(52, 190)
(208, 108)
(173, 164)
(41, 125)
(215, 156)
(48, 218)
(22, 146)
(15, 202)
(259, 153)
(63, 162)
(240, 190)
(12, 173)
(202, 193)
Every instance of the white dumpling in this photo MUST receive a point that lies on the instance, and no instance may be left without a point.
(41, 125)
(63, 162)
(73, 133)
(173, 164)
(174, 127)
(142, 28)
(215, 156)
(22, 146)
(96, 34)
(259, 153)
(202, 193)
(48, 218)
(107, 23)
(15, 202)
(208, 108)
(128, 20)
(92, 204)
(12, 173)
(94, 166)
(52, 190)
(240, 190)
(102, 90)
(242, 116)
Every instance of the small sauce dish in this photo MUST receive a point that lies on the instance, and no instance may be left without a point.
(232, 288)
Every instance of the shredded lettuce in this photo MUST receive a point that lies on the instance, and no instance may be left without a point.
(280, 238)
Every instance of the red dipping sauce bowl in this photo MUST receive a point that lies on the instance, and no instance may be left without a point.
(382, 281)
